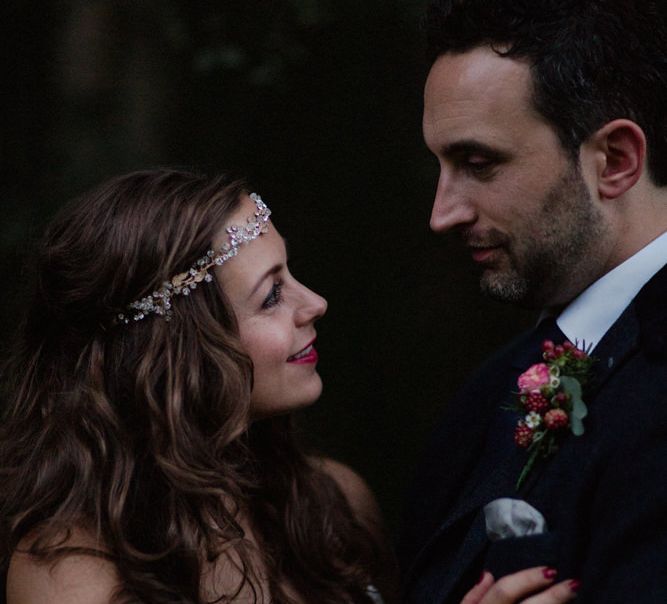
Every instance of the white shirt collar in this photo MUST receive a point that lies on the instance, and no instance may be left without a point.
(590, 315)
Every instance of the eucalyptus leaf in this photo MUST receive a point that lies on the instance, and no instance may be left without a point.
(576, 425)
(571, 386)
(579, 409)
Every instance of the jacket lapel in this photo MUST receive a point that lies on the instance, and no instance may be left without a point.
(643, 325)
(614, 348)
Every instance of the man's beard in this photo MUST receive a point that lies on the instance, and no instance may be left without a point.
(556, 251)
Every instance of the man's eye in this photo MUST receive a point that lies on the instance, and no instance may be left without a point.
(275, 295)
(479, 166)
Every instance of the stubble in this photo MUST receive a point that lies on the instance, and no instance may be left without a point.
(555, 251)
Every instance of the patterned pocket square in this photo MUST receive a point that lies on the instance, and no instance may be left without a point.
(507, 518)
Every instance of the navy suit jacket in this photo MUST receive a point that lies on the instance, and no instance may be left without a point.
(603, 494)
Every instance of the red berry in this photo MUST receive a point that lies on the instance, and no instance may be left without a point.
(523, 435)
(559, 350)
(561, 398)
(567, 345)
(556, 419)
(536, 402)
(547, 345)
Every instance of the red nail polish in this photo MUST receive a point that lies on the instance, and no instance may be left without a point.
(549, 573)
(574, 585)
(481, 577)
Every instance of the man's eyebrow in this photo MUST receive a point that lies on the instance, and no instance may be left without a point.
(472, 147)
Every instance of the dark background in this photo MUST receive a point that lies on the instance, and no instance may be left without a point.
(319, 103)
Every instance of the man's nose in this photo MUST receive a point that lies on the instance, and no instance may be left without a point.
(451, 207)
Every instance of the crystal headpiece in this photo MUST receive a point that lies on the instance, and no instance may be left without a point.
(159, 302)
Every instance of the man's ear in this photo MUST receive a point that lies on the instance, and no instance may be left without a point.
(621, 146)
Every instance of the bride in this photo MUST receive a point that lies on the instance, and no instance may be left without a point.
(147, 451)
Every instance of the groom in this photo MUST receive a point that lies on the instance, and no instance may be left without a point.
(549, 121)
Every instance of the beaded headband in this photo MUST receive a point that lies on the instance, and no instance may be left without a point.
(159, 302)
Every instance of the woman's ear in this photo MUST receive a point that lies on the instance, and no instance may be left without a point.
(621, 146)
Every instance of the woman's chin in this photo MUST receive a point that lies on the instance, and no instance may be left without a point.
(261, 408)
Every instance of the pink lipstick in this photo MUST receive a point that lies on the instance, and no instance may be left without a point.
(305, 356)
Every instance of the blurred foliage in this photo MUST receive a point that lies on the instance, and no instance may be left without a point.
(319, 103)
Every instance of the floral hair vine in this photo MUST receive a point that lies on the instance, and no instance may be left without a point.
(549, 401)
(159, 302)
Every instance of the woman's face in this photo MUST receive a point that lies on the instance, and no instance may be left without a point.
(276, 316)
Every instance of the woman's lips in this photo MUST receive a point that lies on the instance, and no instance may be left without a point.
(304, 356)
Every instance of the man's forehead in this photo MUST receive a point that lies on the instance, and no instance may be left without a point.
(475, 91)
(476, 75)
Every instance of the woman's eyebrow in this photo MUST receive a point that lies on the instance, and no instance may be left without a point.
(276, 268)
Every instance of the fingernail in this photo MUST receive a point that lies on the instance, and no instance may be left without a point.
(574, 585)
(549, 573)
(481, 577)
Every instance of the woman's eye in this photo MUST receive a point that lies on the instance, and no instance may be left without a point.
(274, 296)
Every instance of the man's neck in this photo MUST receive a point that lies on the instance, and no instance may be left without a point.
(590, 315)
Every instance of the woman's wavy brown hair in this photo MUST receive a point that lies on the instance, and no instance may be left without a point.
(141, 435)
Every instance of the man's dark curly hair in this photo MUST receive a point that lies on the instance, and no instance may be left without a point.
(592, 61)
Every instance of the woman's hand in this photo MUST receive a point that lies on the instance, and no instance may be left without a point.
(531, 586)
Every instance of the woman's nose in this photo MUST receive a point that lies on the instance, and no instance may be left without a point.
(313, 306)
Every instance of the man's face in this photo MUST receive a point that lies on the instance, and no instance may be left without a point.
(506, 185)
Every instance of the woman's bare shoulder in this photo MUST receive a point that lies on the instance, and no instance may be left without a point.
(358, 494)
(73, 579)
(366, 509)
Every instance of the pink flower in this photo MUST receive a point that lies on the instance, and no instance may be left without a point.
(534, 378)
